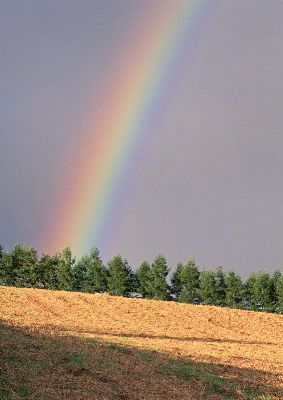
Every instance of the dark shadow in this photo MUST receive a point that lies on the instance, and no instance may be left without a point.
(41, 364)
(165, 337)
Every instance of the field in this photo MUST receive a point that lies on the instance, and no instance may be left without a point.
(62, 345)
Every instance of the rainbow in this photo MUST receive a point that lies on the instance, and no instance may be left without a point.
(117, 127)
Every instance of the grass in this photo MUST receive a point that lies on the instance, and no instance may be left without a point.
(57, 345)
(213, 383)
(73, 366)
(77, 360)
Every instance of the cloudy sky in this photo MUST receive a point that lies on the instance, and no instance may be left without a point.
(207, 181)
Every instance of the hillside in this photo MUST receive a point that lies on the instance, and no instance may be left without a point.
(63, 345)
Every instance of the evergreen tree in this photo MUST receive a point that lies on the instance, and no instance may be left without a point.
(46, 272)
(64, 270)
(234, 289)
(274, 289)
(134, 284)
(176, 285)
(279, 294)
(27, 271)
(96, 273)
(18, 267)
(249, 291)
(262, 291)
(2, 270)
(220, 287)
(159, 272)
(189, 279)
(119, 277)
(7, 271)
(144, 279)
(208, 291)
(80, 269)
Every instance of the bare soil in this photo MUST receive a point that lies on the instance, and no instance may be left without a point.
(108, 346)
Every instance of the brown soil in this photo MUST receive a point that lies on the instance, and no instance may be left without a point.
(242, 346)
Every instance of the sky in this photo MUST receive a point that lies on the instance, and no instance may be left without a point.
(205, 181)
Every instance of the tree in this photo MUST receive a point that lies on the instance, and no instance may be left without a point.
(119, 277)
(276, 278)
(279, 294)
(208, 291)
(259, 291)
(249, 291)
(234, 291)
(134, 284)
(220, 287)
(64, 270)
(96, 273)
(262, 291)
(189, 279)
(159, 272)
(26, 275)
(5, 269)
(8, 271)
(79, 274)
(2, 269)
(143, 275)
(176, 281)
(18, 267)
(46, 272)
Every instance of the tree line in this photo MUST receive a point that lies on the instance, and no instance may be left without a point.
(22, 267)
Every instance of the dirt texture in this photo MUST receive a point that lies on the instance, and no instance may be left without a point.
(244, 346)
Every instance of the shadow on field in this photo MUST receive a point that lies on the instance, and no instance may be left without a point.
(162, 337)
(39, 365)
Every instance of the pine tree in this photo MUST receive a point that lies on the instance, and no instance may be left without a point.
(234, 290)
(80, 269)
(18, 267)
(27, 272)
(119, 277)
(262, 291)
(2, 269)
(5, 272)
(5, 262)
(143, 275)
(250, 301)
(279, 294)
(159, 272)
(46, 272)
(274, 289)
(208, 292)
(220, 287)
(189, 279)
(64, 271)
(176, 285)
(96, 273)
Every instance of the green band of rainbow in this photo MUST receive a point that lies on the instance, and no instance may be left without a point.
(104, 154)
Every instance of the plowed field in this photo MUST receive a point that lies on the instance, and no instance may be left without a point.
(243, 347)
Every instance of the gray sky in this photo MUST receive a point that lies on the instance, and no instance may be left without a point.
(208, 181)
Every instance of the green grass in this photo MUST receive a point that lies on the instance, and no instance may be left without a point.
(4, 391)
(254, 394)
(26, 357)
(263, 397)
(76, 359)
(119, 348)
(188, 372)
(23, 390)
(147, 356)
(193, 371)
